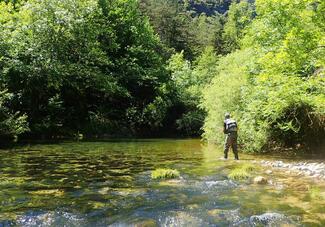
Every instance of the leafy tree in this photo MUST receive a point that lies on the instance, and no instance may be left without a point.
(11, 124)
(239, 17)
(75, 65)
(189, 81)
(207, 33)
(169, 22)
(225, 92)
(182, 29)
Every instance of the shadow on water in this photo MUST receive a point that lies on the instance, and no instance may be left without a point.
(108, 183)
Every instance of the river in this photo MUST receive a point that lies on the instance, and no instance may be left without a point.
(108, 183)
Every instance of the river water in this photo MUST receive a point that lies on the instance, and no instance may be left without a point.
(108, 183)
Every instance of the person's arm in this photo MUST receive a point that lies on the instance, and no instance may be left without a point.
(224, 128)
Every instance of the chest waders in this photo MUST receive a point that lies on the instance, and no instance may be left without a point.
(231, 141)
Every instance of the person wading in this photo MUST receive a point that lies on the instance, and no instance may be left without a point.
(230, 128)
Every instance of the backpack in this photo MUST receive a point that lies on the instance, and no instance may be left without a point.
(231, 125)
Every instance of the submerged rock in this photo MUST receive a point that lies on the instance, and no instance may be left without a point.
(260, 180)
(266, 219)
(271, 219)
(50, 219)
(181, 219)
(173, 183)
(52, 192)
(269, 171)
(146, 223)
(133, 223)
(230, 216)
(223, 183)
(129, 191)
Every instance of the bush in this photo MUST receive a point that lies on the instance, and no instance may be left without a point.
(225, 93)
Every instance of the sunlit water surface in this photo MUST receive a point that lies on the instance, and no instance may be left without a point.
(108, 183)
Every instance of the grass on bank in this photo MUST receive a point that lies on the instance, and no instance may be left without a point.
(164, 174)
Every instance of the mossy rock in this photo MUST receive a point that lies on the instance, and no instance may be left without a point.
(172, 183)
(214, 212)
(164, 174)
(260, 180)
(52, 192)
(146, 223)
(97, 205)
(129, 191)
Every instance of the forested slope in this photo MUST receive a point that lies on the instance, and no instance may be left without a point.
(84, 66)
(163, 67)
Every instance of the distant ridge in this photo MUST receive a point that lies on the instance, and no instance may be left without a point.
(208, 7)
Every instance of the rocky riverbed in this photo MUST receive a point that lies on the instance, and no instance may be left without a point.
(310, 169)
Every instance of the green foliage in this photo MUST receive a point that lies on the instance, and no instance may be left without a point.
(14, 3)
(82, 66)
(97, 67)
(207, 33)
(274, 85)
(239, 17)
(11, 124)
(287, 113)
(225, 92)
(189, 81)
(181, 29)
(164, 174)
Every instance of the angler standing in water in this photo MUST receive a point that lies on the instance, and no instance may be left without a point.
(230, 128)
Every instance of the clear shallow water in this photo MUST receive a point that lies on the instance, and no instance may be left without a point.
(108, 183)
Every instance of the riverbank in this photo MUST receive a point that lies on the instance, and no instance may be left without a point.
(303, 168)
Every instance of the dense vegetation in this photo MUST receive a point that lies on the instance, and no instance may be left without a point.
(274, 84)
(83, 66)
(163, 67)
